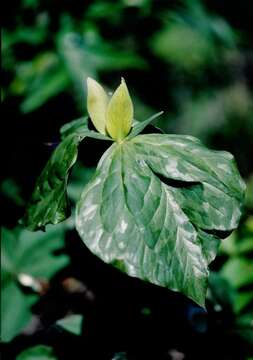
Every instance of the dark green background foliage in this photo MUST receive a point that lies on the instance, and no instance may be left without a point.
(190, 58)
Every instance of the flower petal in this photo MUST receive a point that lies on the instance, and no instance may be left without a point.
(119, 114)
(97, 101)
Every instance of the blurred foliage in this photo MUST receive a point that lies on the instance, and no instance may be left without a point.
(71, 323)
(39, 352)
(232, 285)
(238, 268)
(27, 261)
(193, 39)
(191, 58)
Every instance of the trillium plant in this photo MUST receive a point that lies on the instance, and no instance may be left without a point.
(158, 204)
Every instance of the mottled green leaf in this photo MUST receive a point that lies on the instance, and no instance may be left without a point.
(49, 203)
(213, 192)
(156, 209)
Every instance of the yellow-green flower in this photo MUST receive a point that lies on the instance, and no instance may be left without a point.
(113, 116)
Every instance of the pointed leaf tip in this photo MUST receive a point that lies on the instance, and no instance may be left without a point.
(97, 101)
(119, 115)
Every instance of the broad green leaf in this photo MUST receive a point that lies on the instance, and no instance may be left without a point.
(157, 206)
(214, 191)
(71, 323)
(38, 352)
(119, 114)
(26, 257)
(97, 101)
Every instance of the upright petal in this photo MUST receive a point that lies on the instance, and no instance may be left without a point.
(97, 101)
(119, 114)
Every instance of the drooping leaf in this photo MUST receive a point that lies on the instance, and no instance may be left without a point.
(38, 352)
(49, 203)
(156, 209)
(71, 323)
(26, 258)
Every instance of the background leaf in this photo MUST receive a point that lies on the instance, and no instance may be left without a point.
(27, 258)
(238, 271)
(71, 323)
(39, 352)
